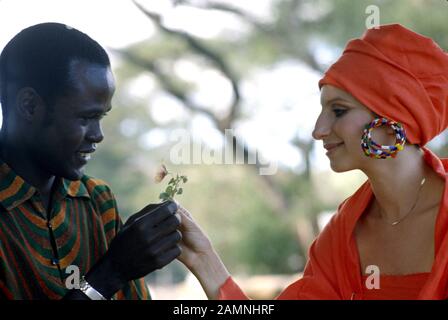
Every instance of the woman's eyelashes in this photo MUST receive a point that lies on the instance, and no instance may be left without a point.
(338, 110)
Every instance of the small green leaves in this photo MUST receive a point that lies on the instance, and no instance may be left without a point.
(173, 185)
(164, 196)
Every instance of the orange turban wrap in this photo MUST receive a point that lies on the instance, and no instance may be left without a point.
(399, 75)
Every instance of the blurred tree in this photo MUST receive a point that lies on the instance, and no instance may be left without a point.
(258, 222)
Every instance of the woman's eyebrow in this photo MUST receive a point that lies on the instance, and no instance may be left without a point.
(333, 100)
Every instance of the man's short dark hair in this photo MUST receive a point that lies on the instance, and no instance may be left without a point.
(40, 57)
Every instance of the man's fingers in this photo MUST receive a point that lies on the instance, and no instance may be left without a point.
(166, 242)
(156, 215)
(142, 212)
(171, 206)
(178, 217)
(164, 228)
(169, 256)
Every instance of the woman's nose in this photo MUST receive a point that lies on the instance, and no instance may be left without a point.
(322, 128)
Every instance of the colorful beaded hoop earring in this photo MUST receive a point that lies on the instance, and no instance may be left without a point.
(374, 150)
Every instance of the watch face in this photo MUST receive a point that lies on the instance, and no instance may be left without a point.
(83, 285)
(89, 291)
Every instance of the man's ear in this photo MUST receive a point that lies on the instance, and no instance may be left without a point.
(27, 102)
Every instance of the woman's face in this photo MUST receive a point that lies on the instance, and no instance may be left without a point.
(340, 126)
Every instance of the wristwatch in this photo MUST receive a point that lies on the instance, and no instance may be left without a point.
(90, 291)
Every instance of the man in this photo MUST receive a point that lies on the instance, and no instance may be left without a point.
(56, 85)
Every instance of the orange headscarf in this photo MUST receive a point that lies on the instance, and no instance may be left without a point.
(398, 74)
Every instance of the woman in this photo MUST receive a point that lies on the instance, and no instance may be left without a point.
(382, 101)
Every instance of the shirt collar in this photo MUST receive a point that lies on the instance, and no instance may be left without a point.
(14, 190)
(74, 189)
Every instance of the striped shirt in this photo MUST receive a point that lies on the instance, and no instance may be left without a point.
(35, 251)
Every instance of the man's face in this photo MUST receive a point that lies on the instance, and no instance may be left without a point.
(65, 137)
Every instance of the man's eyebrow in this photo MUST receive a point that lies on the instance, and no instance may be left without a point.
(95, 111)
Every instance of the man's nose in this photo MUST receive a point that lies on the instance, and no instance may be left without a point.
(95, 133)
(322, 128)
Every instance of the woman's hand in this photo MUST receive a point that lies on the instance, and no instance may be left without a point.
(195, 244)
(199, 256)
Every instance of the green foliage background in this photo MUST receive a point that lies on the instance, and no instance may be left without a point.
(231, 202)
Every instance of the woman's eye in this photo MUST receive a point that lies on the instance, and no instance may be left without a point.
(338, 112)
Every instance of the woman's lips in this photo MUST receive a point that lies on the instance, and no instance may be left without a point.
(332, 146)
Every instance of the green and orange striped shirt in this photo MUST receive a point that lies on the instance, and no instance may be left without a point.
(83, 221)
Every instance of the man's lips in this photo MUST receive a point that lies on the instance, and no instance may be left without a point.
(331, 146)
(85, 155)
(90, 149)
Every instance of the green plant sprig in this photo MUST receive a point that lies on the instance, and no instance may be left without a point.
(173, 187)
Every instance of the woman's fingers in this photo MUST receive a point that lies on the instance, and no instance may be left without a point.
(184, 211)
(187, 221)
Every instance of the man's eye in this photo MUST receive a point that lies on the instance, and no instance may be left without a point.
(94, 117)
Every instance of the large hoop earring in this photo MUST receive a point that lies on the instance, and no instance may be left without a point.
(374, 150)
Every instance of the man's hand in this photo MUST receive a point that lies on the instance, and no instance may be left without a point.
(148, 241)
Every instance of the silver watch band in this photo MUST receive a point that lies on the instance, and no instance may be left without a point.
(89, 291)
